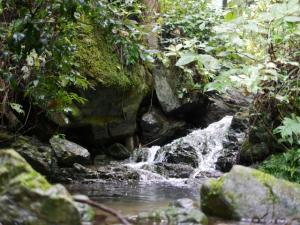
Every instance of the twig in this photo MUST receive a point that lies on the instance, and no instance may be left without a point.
(103, 208)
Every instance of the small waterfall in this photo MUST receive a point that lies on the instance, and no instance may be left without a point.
(203, 147)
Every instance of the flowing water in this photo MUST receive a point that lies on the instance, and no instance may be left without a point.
(155, 191)
(208, 144)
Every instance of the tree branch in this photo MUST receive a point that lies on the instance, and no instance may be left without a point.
(104, 209)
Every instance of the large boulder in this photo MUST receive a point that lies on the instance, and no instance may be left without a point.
(68, 153)
(110, 113)
(157, 129)
(27, 198)
(167, 85)
(40, 156)
(249, 193)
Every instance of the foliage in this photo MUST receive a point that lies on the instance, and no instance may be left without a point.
(290, 130)
(186, 35)
(124, 21)
(285, 165)
(37, 53)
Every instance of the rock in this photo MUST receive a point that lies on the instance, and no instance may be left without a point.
(234, 140)
(27, 198)
(252, 153)
(68, 153)
(265, 116)
(157, 129)
(80, 168)
(117, 173)
(38, 155)
(118, 151)
(110, 114)
(229, 103)
(259, 144)
(249, 193)
(166, 84)
(180, 153)
(173, 170)
(182, 212)
(114, 172)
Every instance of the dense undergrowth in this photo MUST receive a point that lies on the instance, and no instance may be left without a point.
(40, 51)
(254, 47)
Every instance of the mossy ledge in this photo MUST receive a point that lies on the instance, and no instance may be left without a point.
(98, 61)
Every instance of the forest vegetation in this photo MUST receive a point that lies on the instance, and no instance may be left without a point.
(53, 54)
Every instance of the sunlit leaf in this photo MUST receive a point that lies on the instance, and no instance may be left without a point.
(187, 58)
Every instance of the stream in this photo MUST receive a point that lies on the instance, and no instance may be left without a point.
(155, 190)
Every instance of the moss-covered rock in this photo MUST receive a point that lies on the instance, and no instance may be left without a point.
(99, 62)
(116, 94)
(40, 156)
(249, 193)
(27, 198)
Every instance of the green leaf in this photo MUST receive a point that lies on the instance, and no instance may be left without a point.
(187, 58)
(290, 128)
(209, 62)
(230, 16)
(17, 107)
(292, 19)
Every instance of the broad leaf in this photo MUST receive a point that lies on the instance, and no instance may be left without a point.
(17, 107)
(209, 62)
(290, 127)
(187, 58)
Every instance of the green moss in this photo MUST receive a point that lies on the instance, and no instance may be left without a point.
(32, 180)
(98, 60)
(263, 177)
(268, 181)
(16, 171)
(216, 186)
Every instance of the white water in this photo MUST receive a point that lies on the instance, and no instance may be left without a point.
(207, 142)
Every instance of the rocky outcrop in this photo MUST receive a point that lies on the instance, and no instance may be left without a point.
(68, 153)
(182, 212)
(166, 83)
(157, 129)
(40, 156)
(27, 198)
(110, 112)
(249, 193)
(229, 103)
